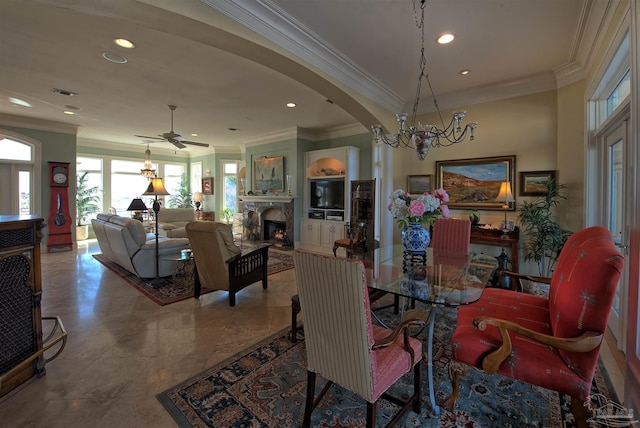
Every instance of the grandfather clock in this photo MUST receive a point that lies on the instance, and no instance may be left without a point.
(59, 220)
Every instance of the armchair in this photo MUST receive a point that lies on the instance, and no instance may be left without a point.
(355, 240)
(551, 342)
(220, 264)
(343, 345)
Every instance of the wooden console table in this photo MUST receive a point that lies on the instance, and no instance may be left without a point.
(494, 238)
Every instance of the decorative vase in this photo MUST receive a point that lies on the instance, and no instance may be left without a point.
(415, 238)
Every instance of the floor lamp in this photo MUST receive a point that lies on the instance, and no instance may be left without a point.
(506, 197)
(156, 188)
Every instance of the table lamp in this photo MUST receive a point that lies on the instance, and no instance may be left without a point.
(138, 207)
(156, 188)
(506, 197)
(197, 200)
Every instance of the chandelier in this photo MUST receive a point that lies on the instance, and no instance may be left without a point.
(148, 170)
(423, 137)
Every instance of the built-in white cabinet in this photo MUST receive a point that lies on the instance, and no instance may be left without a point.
(328, 174)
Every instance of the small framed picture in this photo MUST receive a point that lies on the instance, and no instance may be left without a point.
(418, 184)
(532, 182)
(207, 185)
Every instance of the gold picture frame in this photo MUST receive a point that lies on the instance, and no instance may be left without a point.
(474, 184)
(207, 185)
(531, 182)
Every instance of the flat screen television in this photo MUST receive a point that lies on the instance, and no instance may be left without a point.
(327, 194)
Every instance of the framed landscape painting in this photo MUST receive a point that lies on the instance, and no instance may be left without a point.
(475, 183)
(532, 182)
(268, 174)
(418, 184)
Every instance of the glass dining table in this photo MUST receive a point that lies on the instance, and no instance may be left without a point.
(440, 281)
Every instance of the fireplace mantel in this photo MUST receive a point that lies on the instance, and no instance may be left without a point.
(267, 198)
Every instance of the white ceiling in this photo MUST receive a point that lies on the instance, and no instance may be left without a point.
(187, 54)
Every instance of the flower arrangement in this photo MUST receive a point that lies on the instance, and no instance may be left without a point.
(418, 208)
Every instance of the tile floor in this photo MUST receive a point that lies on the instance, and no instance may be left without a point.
(123, 349)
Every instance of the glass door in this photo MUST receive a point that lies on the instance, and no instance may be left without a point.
(614, 190)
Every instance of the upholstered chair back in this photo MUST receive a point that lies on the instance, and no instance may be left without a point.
(450, 241)
(582, 290)
(212, 245)
(338, 346)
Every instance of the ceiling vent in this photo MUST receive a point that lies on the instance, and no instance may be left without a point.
(64, 92)
(114, 57)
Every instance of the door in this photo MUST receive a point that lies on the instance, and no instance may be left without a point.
(616, 218)
(16, 192)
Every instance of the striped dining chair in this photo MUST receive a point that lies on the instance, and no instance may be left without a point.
(343, 346)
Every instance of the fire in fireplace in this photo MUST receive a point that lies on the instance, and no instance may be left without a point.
(276, 231)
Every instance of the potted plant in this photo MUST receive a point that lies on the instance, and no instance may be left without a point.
(226, 215)
(180, 198)
(87, 201)
(545, 236)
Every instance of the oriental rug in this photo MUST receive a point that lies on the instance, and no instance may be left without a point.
(265, 386)
(182, 286)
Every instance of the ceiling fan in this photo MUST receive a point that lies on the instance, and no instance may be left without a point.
(176, 139)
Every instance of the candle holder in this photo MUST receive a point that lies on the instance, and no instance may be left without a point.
(289, 185)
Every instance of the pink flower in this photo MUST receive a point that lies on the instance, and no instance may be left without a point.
(444, 209)
(416, 208)
(442, 195)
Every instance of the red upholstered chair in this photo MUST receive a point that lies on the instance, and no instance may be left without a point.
(451, 237)
(553, 343)
(342, 344)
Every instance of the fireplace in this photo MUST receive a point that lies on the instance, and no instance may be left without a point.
(274, 217)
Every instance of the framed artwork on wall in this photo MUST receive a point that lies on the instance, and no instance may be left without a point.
(475, 183)
(418, 184)
(532, 182)
(207, 185)
(268, 174)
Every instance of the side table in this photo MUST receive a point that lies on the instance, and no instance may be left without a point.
(494, 238)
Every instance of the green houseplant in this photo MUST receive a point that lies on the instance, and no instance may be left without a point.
(181, 197)
(87, 200)
(545, 236)
(227, 215)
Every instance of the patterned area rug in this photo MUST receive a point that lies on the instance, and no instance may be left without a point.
(181, 288)
(265, 386)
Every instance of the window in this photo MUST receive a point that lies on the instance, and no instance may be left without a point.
(622, 89)
(175, 181)
(230, 185)
(17, 161)
(93, 168)
(14, 150)
(127, 183)
(196, 177)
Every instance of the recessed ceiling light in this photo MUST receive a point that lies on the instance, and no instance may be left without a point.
(291, 105)
(114, 57)
(124, 43)
(446, 38)
(194, 135)
(70, 113)
(19, 102)
(465, 71)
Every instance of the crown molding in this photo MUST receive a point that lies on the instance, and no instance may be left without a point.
(39, 124)
(276, 25)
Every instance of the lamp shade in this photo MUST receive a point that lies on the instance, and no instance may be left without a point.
(197, 197)
(505, 194)
(156, 187)
(137, 205)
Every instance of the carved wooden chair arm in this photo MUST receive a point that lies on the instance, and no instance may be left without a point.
(401, 329)
(586, 342)
(517, 277)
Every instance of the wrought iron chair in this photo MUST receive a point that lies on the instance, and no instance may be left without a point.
(551, 342)
(343, 345)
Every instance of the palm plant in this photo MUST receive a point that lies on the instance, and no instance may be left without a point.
(545, 236)
(87, 199)
(182, 197)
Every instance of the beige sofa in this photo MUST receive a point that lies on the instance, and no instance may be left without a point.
(171, 221)
(125, 241)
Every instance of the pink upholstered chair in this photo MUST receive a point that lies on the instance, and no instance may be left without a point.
(553, 343)
(342, 344)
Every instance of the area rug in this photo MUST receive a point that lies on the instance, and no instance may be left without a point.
(182, 287)
(265, 386)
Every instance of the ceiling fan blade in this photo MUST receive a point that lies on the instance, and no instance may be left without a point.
(146, 136)
(178, 144)
(193, 143)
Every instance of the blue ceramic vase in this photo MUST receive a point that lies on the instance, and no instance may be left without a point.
(415, 238)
